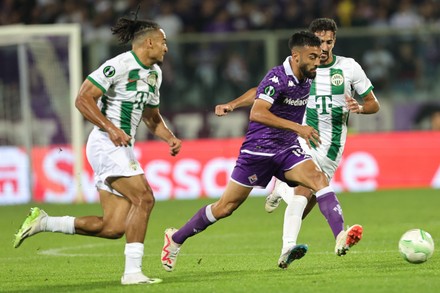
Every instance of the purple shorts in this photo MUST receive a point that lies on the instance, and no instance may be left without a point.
(257, 171)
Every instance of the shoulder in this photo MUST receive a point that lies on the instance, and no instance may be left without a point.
(347, 62)
(156, 68)
(118, 64)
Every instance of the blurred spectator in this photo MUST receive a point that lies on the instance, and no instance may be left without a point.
(428, 117)
(408, 68)
(344, 11)
(406, 16)
(430, 12)
(169, 20)
(236, 72)
(364, 13)
(219, 24)
(379, 63)
(46, 11)
(291, 16)
(380, 20)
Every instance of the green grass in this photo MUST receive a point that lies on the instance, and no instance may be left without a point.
(238, 254)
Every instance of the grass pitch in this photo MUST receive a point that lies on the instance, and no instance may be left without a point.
(238, 254)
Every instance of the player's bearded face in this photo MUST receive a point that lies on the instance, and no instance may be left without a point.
(327, 43)
(308, 70)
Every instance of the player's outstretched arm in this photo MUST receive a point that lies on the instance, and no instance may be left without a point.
(245, 100)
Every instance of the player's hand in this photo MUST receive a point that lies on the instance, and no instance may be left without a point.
(353, 105)
(175, 145)
(118, 136)
(310, 135)
(223, 109)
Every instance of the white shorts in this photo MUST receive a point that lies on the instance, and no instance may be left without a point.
(108, 160)
(324, 163)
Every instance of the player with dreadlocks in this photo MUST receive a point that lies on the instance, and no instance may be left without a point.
(115, 98)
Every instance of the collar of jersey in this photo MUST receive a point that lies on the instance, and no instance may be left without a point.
(330, 64)
(139, 61)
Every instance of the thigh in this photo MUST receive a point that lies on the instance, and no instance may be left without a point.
(132, 187)
(115, 208)
(307, 174)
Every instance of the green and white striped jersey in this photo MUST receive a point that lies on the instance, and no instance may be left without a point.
(326, 108)
(128, 87)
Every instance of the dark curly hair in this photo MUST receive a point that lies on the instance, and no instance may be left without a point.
(323, 24)
(304, 38)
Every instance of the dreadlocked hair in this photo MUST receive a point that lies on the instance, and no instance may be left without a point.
(126, 30)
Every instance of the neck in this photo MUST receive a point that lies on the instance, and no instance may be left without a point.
(295, 69)
(142, 56)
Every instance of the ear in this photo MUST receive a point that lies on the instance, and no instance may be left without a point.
(295, 55)
(148, 42)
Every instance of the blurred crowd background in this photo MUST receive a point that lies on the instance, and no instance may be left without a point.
(219, 49)
(182, 16)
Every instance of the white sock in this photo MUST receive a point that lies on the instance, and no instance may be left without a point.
(292, 221)
(64, 224)
(283, 190)
(133, 257)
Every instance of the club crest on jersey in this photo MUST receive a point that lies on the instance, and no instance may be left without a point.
(253, 178)
(133, 165)
(337, 79)
(269, 90)
(109, 71)
(152, 78)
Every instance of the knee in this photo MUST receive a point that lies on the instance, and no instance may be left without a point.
(145, 199)
(114, 232)
(220, 211)
(319, 180)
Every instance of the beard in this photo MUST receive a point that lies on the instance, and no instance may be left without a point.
(307, 73)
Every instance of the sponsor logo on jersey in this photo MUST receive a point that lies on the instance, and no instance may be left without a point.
(109, 71)
(274, 79)
(295, 102)
(337, 79)
(269, 90)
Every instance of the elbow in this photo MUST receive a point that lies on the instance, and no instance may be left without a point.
(79, 104)
(377, 107)
(254, 117)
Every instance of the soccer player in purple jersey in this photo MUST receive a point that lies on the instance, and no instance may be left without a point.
(275, 122)
(336, 80)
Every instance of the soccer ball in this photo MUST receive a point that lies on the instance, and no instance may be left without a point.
(416, 246)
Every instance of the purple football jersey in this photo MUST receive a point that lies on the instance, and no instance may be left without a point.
(288, 96)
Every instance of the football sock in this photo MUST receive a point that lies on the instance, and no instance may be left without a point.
(284, 190)
(330, 208)
(64, 225)
(133, 257)
(199, 222)
(292, 221)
